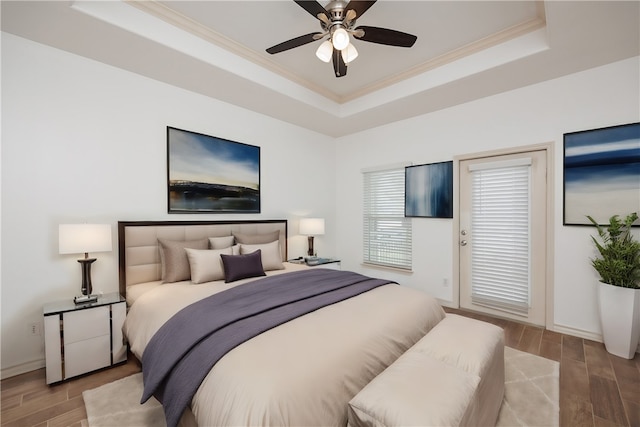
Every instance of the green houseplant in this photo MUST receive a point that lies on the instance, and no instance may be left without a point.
(619, 262)
(618, 265)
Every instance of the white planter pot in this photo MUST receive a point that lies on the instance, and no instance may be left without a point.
(620, 319)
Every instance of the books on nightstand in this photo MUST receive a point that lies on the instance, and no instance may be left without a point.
(313, 261)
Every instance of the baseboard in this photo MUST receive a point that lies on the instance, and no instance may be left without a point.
(22, 368)
(582, 334)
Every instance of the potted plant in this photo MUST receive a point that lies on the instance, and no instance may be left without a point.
(619, 289)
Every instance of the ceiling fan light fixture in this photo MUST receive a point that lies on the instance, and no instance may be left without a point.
(337, 20)
(349, 53)
(340, 38)
(324, 52)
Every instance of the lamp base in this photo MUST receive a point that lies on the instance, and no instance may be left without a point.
(82, 299)
(310, 252)
(87, 288)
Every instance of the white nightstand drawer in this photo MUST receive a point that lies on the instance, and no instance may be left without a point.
(86, 356)
(84, 324)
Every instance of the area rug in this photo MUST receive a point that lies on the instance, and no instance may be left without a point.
(531, 397)
(531, 390)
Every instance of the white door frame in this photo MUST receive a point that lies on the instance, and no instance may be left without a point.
(549, 149)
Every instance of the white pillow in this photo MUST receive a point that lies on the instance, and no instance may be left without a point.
(206, 264)
(271, 258)
(220, 242)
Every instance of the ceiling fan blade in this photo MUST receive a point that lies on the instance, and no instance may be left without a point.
(313, 7)
(359, 7)
(339, 67)
(290, 44)
(386, 36)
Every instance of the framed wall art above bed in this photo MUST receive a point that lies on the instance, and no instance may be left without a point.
(601, 174)
(206, 174)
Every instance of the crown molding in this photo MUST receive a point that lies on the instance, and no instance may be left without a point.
(452, 56)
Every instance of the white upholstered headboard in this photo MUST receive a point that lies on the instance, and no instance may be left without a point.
(139, 255)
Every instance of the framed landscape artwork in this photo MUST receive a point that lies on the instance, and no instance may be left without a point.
(429, 190)
(206, 174)
(601, 174)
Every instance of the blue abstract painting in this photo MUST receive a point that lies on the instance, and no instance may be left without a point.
(601, 174)
(207, 174)
(429, 190)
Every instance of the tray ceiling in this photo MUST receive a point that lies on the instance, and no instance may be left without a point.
(465, 50)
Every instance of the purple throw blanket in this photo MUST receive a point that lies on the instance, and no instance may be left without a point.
(182, 352)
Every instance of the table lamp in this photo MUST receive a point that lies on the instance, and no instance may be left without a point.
(311, 227)
(84, 238)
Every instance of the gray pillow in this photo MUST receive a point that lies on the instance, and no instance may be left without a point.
(174, 260)
(221, 242)
(257, 239)
(238, 267)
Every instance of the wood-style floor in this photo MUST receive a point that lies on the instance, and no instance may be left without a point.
(596, 389)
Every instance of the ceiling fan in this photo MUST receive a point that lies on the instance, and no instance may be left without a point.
(337, 21)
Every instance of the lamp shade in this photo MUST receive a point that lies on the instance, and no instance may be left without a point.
(84, 238)
(325, 51)
(340, 38)
(312, 226)
(349, 53)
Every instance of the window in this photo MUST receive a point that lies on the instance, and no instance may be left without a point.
(387, 233)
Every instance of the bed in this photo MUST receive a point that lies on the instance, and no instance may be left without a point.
(303, 371)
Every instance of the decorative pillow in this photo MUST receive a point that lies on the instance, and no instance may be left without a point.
(173, 258)
(238, 267)
(220, 242)
(271, 258)
(206, 264)
(257, 239)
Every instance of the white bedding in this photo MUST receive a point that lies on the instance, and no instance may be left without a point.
(160, 301)
(303, 372)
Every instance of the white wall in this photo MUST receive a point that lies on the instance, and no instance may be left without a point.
(600, 97)
(82, 141)
(86, 142)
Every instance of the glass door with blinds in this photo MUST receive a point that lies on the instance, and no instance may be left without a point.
(502, 235)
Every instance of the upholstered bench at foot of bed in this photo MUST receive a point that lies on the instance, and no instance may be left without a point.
(452, 376)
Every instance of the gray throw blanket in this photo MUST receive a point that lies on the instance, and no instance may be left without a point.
(182, 352)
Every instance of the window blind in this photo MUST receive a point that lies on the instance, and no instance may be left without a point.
(500, 235)
(387, 233)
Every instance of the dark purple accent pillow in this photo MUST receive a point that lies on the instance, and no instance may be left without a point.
(238, 267)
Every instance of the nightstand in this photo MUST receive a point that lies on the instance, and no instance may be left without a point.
(81, 338)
